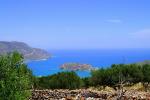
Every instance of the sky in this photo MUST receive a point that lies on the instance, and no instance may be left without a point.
(76, 24)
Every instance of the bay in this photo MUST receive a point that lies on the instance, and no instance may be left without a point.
(97, 58)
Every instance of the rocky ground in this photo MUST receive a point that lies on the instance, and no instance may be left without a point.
(86, 94)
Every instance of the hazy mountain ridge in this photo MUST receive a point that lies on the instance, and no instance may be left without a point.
(27, 51)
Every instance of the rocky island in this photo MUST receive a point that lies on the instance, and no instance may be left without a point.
(76, 66)
(28, 52)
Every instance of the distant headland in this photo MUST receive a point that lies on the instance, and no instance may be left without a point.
(28, 52)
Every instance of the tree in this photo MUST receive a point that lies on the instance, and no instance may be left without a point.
(146, 73)
(61, 80)
(15, 77)
(131, 73)
(86, 82)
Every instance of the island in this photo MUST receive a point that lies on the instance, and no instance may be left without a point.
(29, 53)
(76, 67)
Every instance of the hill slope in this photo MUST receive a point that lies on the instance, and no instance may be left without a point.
(144, 62)
(27, 51)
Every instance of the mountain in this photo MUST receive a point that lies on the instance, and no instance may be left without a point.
(28, 52)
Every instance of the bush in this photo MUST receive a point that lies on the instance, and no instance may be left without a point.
(86, 82)
(61, 80)
(15, 78)
(131, 73)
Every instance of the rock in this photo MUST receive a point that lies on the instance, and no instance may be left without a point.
(76, 66)
(84, 94)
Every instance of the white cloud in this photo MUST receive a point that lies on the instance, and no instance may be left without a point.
(142, 34)
(114, 21)
(139, 39)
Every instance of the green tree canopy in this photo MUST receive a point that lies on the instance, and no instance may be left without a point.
(61, 80)
(131, 73)
(15, 77)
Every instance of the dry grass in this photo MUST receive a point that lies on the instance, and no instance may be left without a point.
(136, 87)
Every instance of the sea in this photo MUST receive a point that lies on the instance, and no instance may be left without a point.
(102, 58)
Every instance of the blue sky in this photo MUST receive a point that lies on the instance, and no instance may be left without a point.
(76, 24)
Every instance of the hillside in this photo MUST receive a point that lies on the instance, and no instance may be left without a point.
(27, 51)
(144, 62)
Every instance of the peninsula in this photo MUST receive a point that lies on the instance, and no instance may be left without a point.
(28, 52)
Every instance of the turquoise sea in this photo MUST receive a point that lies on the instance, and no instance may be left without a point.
(97, 58)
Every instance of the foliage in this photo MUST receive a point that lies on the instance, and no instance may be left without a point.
(146, 73)
(15, 78)
(61, 80)
(86, 82)
(131, 73)
(128, 73)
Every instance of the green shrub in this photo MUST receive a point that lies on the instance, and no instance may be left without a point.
(15, 77)
(61, 80)
(131, 73)
(86, 82)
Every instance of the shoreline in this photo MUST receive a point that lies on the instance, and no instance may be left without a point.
(31, 60)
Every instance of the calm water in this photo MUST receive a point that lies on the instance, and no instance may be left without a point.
(97, 58)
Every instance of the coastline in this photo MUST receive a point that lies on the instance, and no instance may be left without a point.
(31, 60)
